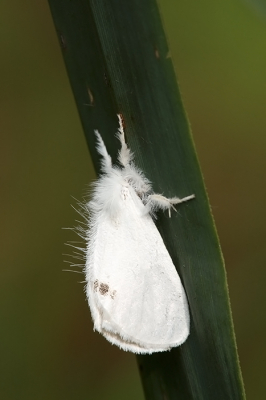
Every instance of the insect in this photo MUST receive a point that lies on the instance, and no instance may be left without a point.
(135, 295)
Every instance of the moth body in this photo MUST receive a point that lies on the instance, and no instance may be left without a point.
(135, 295)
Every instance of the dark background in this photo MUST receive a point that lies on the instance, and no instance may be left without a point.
(47, 347)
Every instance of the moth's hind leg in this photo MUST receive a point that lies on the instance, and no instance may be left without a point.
(106, 162)
(158, 201)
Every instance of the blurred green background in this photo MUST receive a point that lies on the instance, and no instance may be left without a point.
(47, 347)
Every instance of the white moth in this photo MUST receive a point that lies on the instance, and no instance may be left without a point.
(135, 295)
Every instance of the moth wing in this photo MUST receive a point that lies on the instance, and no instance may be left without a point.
(136, 297)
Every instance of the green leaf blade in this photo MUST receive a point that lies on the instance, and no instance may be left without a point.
(118, 61)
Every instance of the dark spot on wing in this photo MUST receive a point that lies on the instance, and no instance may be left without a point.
(95, 285)
(104, 288)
